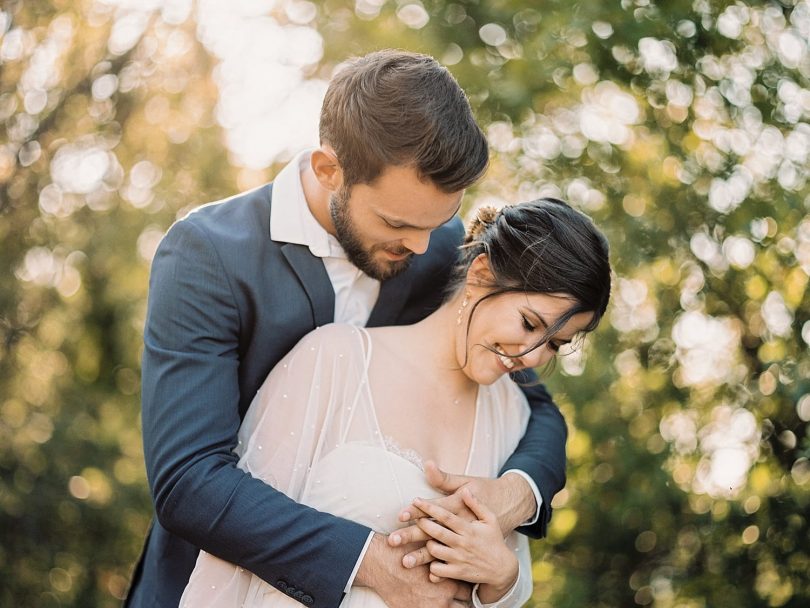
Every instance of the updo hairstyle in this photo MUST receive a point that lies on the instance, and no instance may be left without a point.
(543, 246)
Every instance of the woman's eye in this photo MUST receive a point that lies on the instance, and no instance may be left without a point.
(526, 325)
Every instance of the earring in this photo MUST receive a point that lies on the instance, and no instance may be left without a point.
(464, 303)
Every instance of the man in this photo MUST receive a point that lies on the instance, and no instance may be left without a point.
(361, 230)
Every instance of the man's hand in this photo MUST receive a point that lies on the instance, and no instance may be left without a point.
(509, 497)
(382, 571)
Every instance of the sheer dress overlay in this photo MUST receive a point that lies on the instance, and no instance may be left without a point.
(312, 432)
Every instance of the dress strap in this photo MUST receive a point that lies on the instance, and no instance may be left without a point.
(362, 387)
(366, 346)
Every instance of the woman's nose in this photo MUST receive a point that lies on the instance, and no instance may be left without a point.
(539, 356)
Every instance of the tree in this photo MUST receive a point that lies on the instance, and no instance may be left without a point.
(682, 128)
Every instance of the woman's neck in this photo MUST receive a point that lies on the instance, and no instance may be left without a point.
(438, 341)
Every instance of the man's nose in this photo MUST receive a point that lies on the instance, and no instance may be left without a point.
(417, 241)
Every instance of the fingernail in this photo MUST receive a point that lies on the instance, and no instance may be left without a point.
(408, 561)
(395, 539)
(404, 516)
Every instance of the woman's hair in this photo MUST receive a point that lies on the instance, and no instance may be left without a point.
(395, 108)
(543, 246)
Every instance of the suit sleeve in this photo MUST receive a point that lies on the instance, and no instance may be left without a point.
(190, 424)
(541, 451)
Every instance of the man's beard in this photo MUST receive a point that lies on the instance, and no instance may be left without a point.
(350, 241)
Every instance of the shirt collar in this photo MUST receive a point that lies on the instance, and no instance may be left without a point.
(291, 221)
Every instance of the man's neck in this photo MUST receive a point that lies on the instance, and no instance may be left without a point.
(317, 198)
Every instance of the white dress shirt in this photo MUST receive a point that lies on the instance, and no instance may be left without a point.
(291, 221)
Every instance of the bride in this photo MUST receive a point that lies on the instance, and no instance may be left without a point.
(347, 421)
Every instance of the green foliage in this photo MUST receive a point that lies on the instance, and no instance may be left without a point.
(682, 128)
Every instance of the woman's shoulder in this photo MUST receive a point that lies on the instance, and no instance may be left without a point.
(332, 350)
(337, 330)
(334, 338)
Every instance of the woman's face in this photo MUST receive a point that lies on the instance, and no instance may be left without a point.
(511, 323)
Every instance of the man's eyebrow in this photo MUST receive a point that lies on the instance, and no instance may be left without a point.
(400, 224)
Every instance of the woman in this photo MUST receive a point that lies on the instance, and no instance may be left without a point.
(344, 422)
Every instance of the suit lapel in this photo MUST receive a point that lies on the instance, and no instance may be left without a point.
(312, 275)
(393, 295)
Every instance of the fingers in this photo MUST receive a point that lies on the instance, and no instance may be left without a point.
(478, 508)
(419, 557)
(434, 579)
(447, 518)
(406, 536)
(446, 482)
(439, 551)
(410, 513)
(435, 476)
(438, 531)
(443, 570)
(424, 555)
(452, 503)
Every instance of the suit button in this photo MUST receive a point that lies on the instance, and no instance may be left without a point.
(307, 599)
(282, 585)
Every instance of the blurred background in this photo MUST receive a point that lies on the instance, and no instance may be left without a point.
(681, 127)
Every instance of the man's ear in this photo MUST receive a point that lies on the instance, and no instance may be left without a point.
(326, 168)
(479, 274)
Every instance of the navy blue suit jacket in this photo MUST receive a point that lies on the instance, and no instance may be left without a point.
(225, 304)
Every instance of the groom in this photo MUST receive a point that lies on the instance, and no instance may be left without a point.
(361, 230)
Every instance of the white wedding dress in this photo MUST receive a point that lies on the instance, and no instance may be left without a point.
(312, 432)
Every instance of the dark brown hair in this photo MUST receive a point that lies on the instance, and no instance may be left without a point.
(394, 108)
(543, 246)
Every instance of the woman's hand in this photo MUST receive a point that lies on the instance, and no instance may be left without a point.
(473, 551)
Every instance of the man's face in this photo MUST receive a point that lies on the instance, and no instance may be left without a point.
(383, 224)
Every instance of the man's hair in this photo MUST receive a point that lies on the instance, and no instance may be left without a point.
(394, 108)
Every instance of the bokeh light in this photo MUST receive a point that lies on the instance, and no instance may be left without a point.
(683, 129)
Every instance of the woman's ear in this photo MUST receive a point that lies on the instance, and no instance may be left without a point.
(326, 168)
(479, 274)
